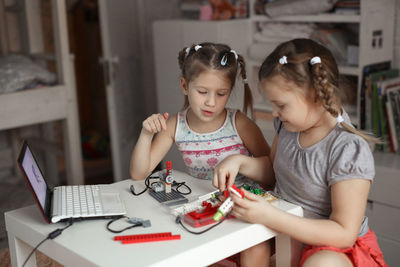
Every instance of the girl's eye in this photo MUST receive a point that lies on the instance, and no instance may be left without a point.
(221, 94)
(202, 92)
(279, 106)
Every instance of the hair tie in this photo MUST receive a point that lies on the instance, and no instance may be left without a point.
(234, 52)
(283, 60)
(339, 118)
(315, 60)
(224, 60)
(197, 47)
(187, 50)
(245, 81)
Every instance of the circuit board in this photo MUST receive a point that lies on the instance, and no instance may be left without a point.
(169, 199)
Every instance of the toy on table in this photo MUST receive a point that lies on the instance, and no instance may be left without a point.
(169, 179)
(141, 238)
(196, 205)
(201, 211)
(162, 190)
(267, 195)
(201, 217)
(227, 205)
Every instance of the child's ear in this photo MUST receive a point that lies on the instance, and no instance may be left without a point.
(184, 86)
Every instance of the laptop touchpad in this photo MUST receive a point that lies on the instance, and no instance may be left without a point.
(112, 203)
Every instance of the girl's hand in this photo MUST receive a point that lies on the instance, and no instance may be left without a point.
(155, 123)
(225, 172)
(251, 208)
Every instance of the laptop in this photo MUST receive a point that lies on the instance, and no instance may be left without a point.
(74, 201)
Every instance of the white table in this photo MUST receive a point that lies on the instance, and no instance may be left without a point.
(88, 243)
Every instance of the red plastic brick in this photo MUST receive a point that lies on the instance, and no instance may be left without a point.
(169, 166)
(205, 217)
(130, 239)
(240, 192)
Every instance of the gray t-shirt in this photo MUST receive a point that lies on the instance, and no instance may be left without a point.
(304, 175)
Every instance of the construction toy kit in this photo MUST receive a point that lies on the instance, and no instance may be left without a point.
(205, 209)
(208, 209)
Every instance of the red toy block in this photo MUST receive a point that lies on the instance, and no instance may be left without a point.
(234, 188)
(169, 167)
(237, 190)
(130, 239)
(205, 217)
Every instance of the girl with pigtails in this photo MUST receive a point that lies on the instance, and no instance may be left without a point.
(205, 131)
(318, 160)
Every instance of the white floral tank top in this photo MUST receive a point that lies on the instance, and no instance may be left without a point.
(201, 152)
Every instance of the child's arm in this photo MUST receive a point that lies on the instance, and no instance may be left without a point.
(259, 169)
(349, 198)
(254, 141)
(148, 153)
(225, 172)
(251, 136)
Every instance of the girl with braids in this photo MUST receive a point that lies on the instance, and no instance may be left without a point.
(205, 131)
(318, 160)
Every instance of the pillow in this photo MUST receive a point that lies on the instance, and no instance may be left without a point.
(18, 72)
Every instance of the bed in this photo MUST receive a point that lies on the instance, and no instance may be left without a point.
(51, 99)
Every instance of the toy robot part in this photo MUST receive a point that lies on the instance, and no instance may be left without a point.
(228, 203)
(236, 191)
(157, 187)
(223, 209)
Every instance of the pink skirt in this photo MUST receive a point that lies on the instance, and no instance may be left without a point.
(364, 253)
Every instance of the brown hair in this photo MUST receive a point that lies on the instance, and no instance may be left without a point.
(192, 62)
(320, 80)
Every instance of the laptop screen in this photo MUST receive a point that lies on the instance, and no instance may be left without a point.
(35, 176)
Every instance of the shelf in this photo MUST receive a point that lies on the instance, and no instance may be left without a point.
(334, 18)
(34, 106)
(190, 7)
(349, 70)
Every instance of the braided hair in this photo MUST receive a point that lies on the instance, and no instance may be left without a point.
(293, 60)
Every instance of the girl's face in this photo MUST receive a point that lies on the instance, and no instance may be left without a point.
(208, 94)
(291, 105)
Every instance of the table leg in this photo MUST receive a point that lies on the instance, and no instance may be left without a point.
(19, 251)
(288, 251)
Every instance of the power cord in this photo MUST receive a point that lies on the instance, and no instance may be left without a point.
(179, 184)
(134, 221)
(52, 235)
(147, 184)
(179, 220)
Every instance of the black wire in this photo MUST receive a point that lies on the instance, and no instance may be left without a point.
(148, 186)
(34, 249)
(146, 183)
(124, 229)
(179, 220)
(179, 184)
(52, 235)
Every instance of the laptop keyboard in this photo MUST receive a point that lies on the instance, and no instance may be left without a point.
(77, 201)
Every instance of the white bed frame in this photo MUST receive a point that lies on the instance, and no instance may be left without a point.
(48, 104)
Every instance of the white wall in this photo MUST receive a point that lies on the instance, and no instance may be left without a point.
(396, 60)
(165, 10)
